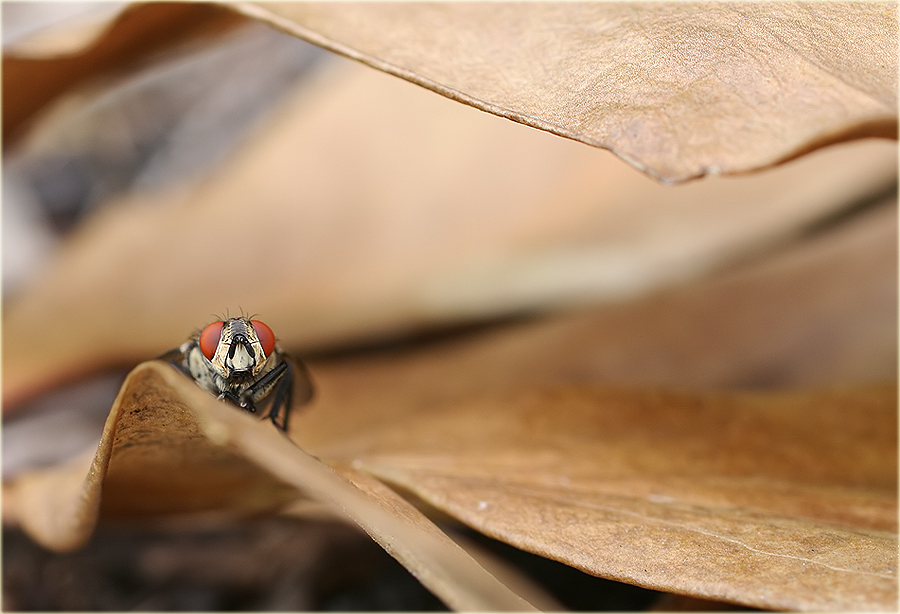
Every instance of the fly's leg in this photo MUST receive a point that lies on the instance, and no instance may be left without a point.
(284, 391)
(281, 380)
(289, 381)
(294, 388)
(262, 387)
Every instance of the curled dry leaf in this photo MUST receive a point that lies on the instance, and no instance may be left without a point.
(152, 460)
(381, 218)
(712, 489)
(759, 499)
(169, 448)
(404, 532)
(678, 89)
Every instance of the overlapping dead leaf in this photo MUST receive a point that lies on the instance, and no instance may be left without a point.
(736, 493)
(680, 90)
(162, 455)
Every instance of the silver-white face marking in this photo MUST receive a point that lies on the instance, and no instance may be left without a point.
(239, 350)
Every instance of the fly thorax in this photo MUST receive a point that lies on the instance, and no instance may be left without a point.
(201, 370)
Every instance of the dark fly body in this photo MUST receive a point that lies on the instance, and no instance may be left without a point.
(237, 360)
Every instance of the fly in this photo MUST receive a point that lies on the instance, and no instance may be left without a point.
(237, 360)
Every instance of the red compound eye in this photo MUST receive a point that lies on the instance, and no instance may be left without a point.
(209, 339)
(265, 335)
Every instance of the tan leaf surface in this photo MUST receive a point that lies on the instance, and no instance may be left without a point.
(506, 573)
(658, 83)
(152, 460)
(819, 314)
(409, 211)
(781, 502)
(440, 564)
(162, 454)
(711, 491)
(678, 89)
(757, 499)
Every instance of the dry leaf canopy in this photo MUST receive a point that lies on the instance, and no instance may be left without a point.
(680, 90)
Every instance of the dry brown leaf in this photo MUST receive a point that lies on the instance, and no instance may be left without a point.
(153, 460)
(708, 470)
(678, 89)
(30, 83)
(405, 533)
(757, 499)
(661, 84)
(382, 218)
(169, 448)
(819, 314)
(389, 499)
(784, 502)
